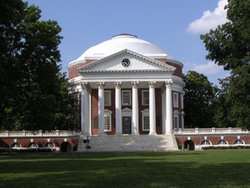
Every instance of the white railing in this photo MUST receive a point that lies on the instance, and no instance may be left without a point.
(210, 130)
(38, 133)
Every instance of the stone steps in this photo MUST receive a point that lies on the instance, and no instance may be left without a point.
(129, 143)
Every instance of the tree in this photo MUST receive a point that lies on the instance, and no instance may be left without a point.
(229, 45)
(33, 91)
(199, 101)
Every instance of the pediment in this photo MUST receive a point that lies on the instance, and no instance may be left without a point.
(126, 61)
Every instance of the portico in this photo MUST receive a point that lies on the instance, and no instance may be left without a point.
(132, 106)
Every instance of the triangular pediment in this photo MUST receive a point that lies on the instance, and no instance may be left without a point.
(126, 61)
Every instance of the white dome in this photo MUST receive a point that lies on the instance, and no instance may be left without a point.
(121, 42)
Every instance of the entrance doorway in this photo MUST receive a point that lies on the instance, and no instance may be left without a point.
(189, 145)
(126, 125)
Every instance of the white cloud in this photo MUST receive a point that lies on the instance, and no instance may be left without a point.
(212, 71)
(207, 69)
(209, 19)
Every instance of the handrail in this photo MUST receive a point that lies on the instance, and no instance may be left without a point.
(38, 133)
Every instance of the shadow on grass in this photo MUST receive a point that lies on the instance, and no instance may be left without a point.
(123, 170)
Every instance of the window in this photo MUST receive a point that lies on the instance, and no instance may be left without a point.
(107, 98)
(182, 101)
(206, 143)
(107, 120)
(16, 145)
(238, 142)
(182, 120)
(49, 145)
(145, 97)
(176, 101)
(32, 145)
(222, 142)
(126, 97)
(146, 123)
(176, 122)
(145, 120)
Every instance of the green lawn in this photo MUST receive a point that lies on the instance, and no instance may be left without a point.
(165, 169)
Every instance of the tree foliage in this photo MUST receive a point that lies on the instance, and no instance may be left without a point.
(229, 45)
(199, 101)
(33, 91)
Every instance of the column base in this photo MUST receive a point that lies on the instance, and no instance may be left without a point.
(168, 132)
(152, 133)
(101, 134)
(136, 134)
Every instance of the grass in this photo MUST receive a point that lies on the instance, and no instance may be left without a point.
(149, 169)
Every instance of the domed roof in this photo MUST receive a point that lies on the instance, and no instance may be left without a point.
(121, 42)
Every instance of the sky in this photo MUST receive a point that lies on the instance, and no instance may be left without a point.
(173, 25)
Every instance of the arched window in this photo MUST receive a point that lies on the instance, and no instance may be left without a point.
(32, 145)
(49, 145)
(222, 142)
(239, 142)
(16, 145)
(206, 143)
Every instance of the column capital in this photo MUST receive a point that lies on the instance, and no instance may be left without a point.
(168, 82)
(152, 84)
(101, 85)
(135, 83)
(118, 84)
(84, 85)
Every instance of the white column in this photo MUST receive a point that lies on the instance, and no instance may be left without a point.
(118, 108)
(135, 118)
(169, 107)
(101, 107)
(152, 115)
(84, 109)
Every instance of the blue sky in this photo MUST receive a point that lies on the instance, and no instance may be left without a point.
(174, 25)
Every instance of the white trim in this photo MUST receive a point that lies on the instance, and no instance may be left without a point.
(145, 113)
(129, 92)
(243, 142)
(142, 97)
(126, 112)
(163, 66)
(206, 140)
(222, 140)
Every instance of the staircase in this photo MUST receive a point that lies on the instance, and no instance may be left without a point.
(128, 143)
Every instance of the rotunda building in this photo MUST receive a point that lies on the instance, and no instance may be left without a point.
(128, 86)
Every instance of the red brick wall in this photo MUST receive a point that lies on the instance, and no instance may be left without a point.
(73, 69)
(178, 70)
(94, 111)
(39, 141)
(214, 139)
(158, 103)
